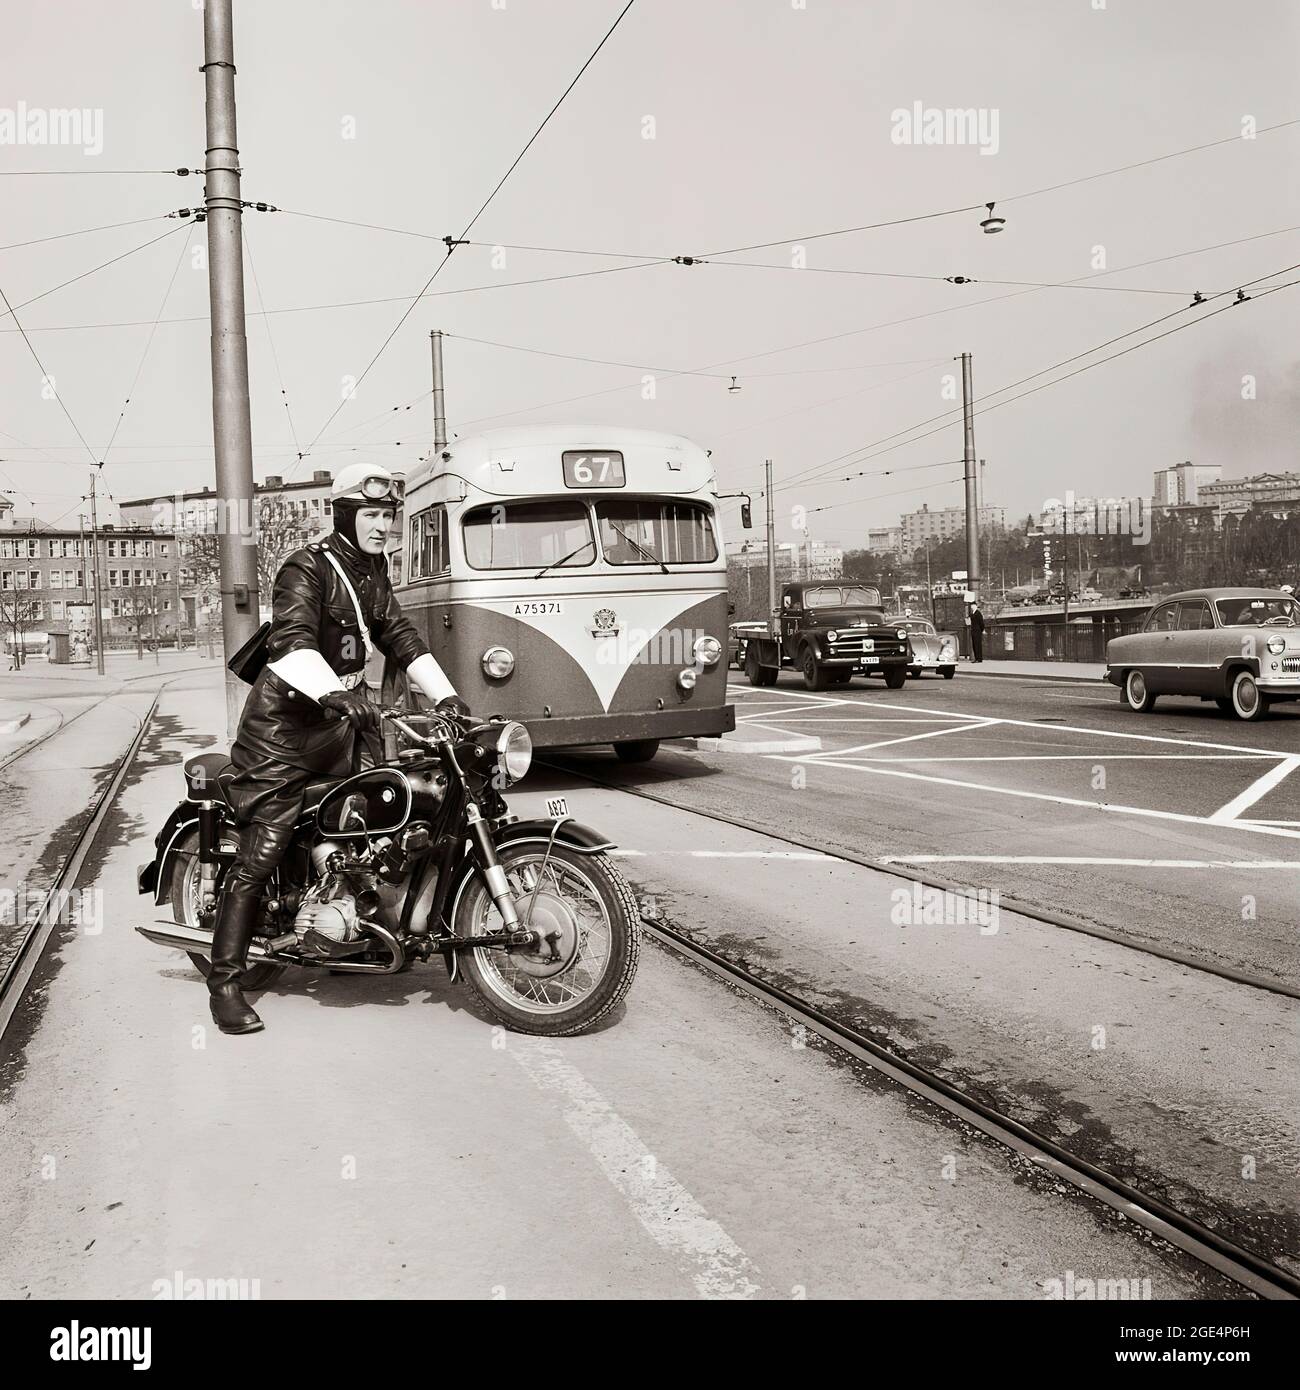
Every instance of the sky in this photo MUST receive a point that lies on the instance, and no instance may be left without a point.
(700, 127)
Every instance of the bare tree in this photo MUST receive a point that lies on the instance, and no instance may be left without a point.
(281, 529)
(18, 615)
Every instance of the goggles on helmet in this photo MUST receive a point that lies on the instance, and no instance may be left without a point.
(378, 489)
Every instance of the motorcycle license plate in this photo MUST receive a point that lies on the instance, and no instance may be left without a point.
(557, 807)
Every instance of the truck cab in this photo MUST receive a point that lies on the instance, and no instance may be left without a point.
(830, 630)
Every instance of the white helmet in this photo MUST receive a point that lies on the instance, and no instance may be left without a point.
(366, 483)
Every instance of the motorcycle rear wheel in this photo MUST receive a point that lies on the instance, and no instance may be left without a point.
(185, 911)
(588, 903)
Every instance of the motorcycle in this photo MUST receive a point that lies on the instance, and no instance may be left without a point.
(415, 857)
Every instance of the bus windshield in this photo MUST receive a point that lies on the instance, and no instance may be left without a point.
(527, 535)
(640, 531)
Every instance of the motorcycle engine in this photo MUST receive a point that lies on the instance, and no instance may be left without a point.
(329, 909)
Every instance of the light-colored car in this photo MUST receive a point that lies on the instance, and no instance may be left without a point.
(931, 650)
(1237, 647)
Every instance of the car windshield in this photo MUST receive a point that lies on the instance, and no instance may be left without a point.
(527, 535)
(646, 531)
(1257, 612)
(841, 596)
(926, 629)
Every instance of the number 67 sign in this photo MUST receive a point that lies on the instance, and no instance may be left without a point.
(593, 470)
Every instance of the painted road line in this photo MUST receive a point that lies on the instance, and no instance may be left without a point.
(727, 854)
(908, 738)
(829, 760)
(1099, 733)
(1092, 758)
(1257, 789)
(1085, 859)
(668, 1213)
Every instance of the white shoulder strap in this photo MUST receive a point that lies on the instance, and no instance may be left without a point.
(352, 594)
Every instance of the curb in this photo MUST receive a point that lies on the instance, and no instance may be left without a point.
(1034, 676)
(795, 743)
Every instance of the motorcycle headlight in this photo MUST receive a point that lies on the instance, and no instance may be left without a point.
(498, 662)
(1277, 645)
(514, 751)
(707, 650)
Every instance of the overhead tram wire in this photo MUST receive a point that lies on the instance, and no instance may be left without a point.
(275, 357)
(979, 401)
(469, 226)
(45, 376)
(44, 294)
(135, 380)
(84, 231)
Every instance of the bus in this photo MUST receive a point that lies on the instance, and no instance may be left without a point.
(574, 579)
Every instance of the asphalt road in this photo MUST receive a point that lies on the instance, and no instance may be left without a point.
(381, 1138)
(1180, 827)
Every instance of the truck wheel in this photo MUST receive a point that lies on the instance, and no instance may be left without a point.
(636, 750)
(758, 674)
(896, 677)
(814, 676)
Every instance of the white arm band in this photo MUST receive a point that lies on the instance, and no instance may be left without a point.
(308, 671)
(429, 678)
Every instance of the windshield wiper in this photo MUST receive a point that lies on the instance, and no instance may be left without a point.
(654, 559)
(563, 561)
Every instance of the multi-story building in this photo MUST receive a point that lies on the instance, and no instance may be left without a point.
(1182, 485)
(794, 561)
(200, 511)
(942, 524)
(46, 572)
(885, 540)
(1263, 491)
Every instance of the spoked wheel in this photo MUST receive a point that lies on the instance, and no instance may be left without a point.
(587, 959)
(187, 910)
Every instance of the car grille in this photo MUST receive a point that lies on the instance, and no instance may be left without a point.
(1291, 665)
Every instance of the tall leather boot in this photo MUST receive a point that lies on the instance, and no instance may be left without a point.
(236, 917)
(261, 848)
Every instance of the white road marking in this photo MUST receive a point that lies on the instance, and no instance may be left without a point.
(665, 1209)
(1078, 729)
(728, 854)
(1257, 789)
(1085, 859)
(828, 760)
(1089, 758)
(907, 738)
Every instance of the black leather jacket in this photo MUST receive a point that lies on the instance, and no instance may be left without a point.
(312, 609)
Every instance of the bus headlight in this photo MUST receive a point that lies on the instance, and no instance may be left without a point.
(514, 750)
(498, 662)
(707, 650)
(686, 679)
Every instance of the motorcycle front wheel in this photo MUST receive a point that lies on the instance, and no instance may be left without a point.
(585, 964)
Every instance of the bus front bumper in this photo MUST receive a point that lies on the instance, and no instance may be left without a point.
(627, 727)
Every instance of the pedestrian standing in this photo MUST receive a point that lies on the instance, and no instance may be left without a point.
(976, 619)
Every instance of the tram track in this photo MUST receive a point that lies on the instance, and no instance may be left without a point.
(18, 973)
(1243, 1266)
(1033, 911)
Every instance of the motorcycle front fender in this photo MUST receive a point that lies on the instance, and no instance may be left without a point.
(577, 836)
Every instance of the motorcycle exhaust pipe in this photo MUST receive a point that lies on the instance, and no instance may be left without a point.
(183, 938)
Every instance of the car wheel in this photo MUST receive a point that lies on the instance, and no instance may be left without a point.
(1248, 701)
(948, 672)
(1137, 696)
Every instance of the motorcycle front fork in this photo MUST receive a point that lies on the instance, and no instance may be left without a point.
(498, 885)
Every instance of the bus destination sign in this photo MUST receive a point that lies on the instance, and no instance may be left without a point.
(593, 470)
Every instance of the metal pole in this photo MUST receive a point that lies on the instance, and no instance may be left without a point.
(94, 552)
(439, 402)
(231, 426)
(968, 461)
(771, 547)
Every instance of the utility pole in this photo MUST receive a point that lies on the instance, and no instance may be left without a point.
(968, 461)
(94, 558)
(439, 402)
(771, 551)
(231, 427)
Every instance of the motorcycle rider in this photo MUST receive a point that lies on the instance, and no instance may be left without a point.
(288, 735)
